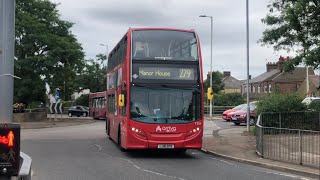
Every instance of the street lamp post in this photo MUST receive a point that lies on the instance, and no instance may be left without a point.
(7, 11)
(107, 53)
(211, 111)
(247, 37)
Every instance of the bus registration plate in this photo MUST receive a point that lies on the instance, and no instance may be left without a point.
(165, 146)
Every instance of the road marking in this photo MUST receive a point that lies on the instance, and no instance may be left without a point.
(224, 161)
(195, 153)
(98, 146)
(138, 167)
(282, 174)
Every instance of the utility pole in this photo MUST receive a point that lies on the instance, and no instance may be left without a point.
(7, 36)
(210, 101)
(248, 58)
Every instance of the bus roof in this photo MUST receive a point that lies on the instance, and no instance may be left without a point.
(98, 94)
(167, 29)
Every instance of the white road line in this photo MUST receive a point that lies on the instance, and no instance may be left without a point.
(281, 174)
(227, 162)
(140, 168)
(98, 146)
(224, 161)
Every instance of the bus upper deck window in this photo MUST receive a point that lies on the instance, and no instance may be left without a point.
(141, 49)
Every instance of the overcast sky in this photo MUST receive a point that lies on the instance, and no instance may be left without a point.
(106, 21)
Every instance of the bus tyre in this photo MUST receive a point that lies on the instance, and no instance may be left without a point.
(119, 140)
(108, 128)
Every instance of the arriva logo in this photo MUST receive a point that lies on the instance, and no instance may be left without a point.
(166, 129)
(158, 129)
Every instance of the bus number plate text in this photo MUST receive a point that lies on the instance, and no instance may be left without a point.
(165, 146)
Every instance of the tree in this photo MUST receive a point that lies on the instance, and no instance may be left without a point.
(217, 85)
(46, 51)
(83, 100)
(294, 26)
(93, 75)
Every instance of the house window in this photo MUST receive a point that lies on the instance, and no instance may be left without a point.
(259, 88)
(265, 88)
(270, 88)
(253, 88)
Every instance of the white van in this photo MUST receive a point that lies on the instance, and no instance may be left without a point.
(308, 100)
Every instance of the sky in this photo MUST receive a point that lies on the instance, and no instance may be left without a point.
(106, 21)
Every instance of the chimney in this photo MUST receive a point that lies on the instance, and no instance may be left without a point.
(226, 73)
(271, 66)
(281, 62)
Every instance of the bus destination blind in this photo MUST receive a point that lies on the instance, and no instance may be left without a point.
(165, 73)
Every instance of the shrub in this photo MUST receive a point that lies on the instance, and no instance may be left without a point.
(228, 99)
(280, 103)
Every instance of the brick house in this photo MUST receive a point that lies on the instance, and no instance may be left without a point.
(274, 79)
(231, 84)
(313, 86)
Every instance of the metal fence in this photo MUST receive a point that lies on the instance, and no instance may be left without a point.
(291, 137)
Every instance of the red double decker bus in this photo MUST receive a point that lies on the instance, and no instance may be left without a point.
(155, 90)
(97, 105)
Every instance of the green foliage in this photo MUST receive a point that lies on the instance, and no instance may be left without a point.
(46, 51)
(93, 75)
(294, 25)
(280, 103)
(217, 85)
(228, 99)
(67, 103)
(314, 105)
(83, 100)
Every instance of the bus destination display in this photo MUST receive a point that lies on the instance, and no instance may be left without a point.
(165, 73)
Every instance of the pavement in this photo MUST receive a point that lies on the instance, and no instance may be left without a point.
(229, 143)
(56, 123)
(238, 145)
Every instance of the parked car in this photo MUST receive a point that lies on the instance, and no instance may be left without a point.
(78, 111)
(226, 115)
(308, 100)
(240, 116)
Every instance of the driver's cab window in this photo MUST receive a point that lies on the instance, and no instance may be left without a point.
(141, 49)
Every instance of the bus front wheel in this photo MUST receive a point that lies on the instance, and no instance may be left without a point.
(108, 128)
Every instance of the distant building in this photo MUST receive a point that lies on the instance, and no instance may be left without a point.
(275, 79)
(314, 86)
(231, 84)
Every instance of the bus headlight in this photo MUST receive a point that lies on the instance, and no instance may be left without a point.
(193, 131)
(138, 133)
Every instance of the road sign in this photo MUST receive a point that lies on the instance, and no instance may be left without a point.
(56, 95)
(9, 149)
(56, 108)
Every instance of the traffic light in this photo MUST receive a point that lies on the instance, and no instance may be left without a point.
(210, 93)
(9, 149)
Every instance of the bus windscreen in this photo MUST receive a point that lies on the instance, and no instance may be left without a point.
(164, 105)
(164, 45)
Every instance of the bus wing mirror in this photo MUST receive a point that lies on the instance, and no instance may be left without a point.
(121, 100)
